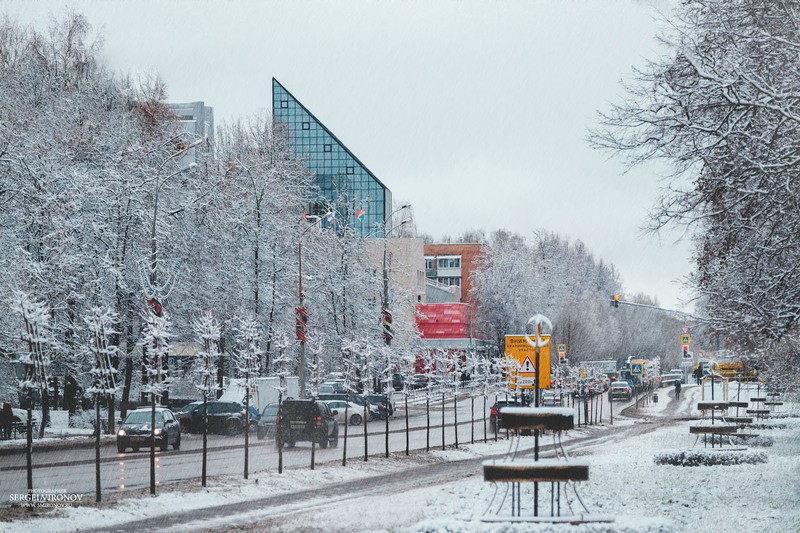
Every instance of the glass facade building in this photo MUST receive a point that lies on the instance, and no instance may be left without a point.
(347, 186)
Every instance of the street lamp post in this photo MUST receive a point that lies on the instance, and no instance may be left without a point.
(152, 291)
(301, 319)
(385, 312)
(159, 184)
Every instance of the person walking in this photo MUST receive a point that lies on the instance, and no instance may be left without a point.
(677, 389)
(6, 421)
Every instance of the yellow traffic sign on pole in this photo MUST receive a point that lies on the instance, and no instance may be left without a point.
(686, 338)
(518, 348)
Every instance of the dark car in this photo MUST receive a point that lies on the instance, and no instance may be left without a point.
(397, 381)
(306, 420)
(383, 402)
(136, 432)
(267, 421)
(421, 381)
(223, 417)
(495, 415)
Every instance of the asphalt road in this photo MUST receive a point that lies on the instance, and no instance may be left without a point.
(73, 470)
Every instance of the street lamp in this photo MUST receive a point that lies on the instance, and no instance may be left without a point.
(385, 313)
(301, 319)
(159, 184)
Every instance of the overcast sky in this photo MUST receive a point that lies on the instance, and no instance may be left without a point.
(475, 112)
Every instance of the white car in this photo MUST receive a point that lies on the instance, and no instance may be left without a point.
(355, 412)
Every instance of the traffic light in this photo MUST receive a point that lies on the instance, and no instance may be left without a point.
(615, 300)
(686, 354)
(301, 323)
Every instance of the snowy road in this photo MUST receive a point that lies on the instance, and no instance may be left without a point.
(73, 469)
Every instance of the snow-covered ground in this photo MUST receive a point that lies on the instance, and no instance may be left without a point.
(624, 482)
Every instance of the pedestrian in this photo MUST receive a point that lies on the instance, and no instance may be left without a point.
(677, 389)
(698, 373)
(6, 421)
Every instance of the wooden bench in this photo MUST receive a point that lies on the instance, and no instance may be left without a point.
(742, 405)
(758, 399)
(744, 435)
(527, 470)
(712, 406)
(758, 412)
(19, 429)
(527, 418)
(739, 419)
(712, 430)
(773, 394)
(773, 403)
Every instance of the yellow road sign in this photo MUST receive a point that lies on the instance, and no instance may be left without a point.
(517, 348)
(686, 338)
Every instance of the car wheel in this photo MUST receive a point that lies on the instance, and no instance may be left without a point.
(120, 447)
(371, 417)
(335, 441)
(323, 443)
(233, 427)
(177, 444)
(290, 443)
(261, 433)
(164, 444)
(356, 420)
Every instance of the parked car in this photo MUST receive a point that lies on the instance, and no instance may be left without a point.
(422, 381)
(306, 420)
(383, 401)
(136, 431)
(373, 409)
(495, 415)
(267, 421)
(620, 390)
(397, 381)
(354, 412)
(223, 417)
(332, 387)
(335, 376)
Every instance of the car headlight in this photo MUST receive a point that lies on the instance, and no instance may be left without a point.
(121, 433)
(157, 431)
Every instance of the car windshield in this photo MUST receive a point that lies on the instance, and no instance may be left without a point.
(189, 407)
(619, 384)
(139, 417)
(270, 410)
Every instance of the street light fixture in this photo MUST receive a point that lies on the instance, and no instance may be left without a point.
(301, 319)
(152, 291)
(385, 313)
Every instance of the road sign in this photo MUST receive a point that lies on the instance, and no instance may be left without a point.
(636, 369)
(518, 349)
(562, 348)
(686, 339)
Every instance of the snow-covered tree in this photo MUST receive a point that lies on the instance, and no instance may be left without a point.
(156, 341)
(722, 110)
(101, 325)
(37, 339)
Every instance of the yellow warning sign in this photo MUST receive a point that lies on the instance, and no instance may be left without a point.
(524, 376)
